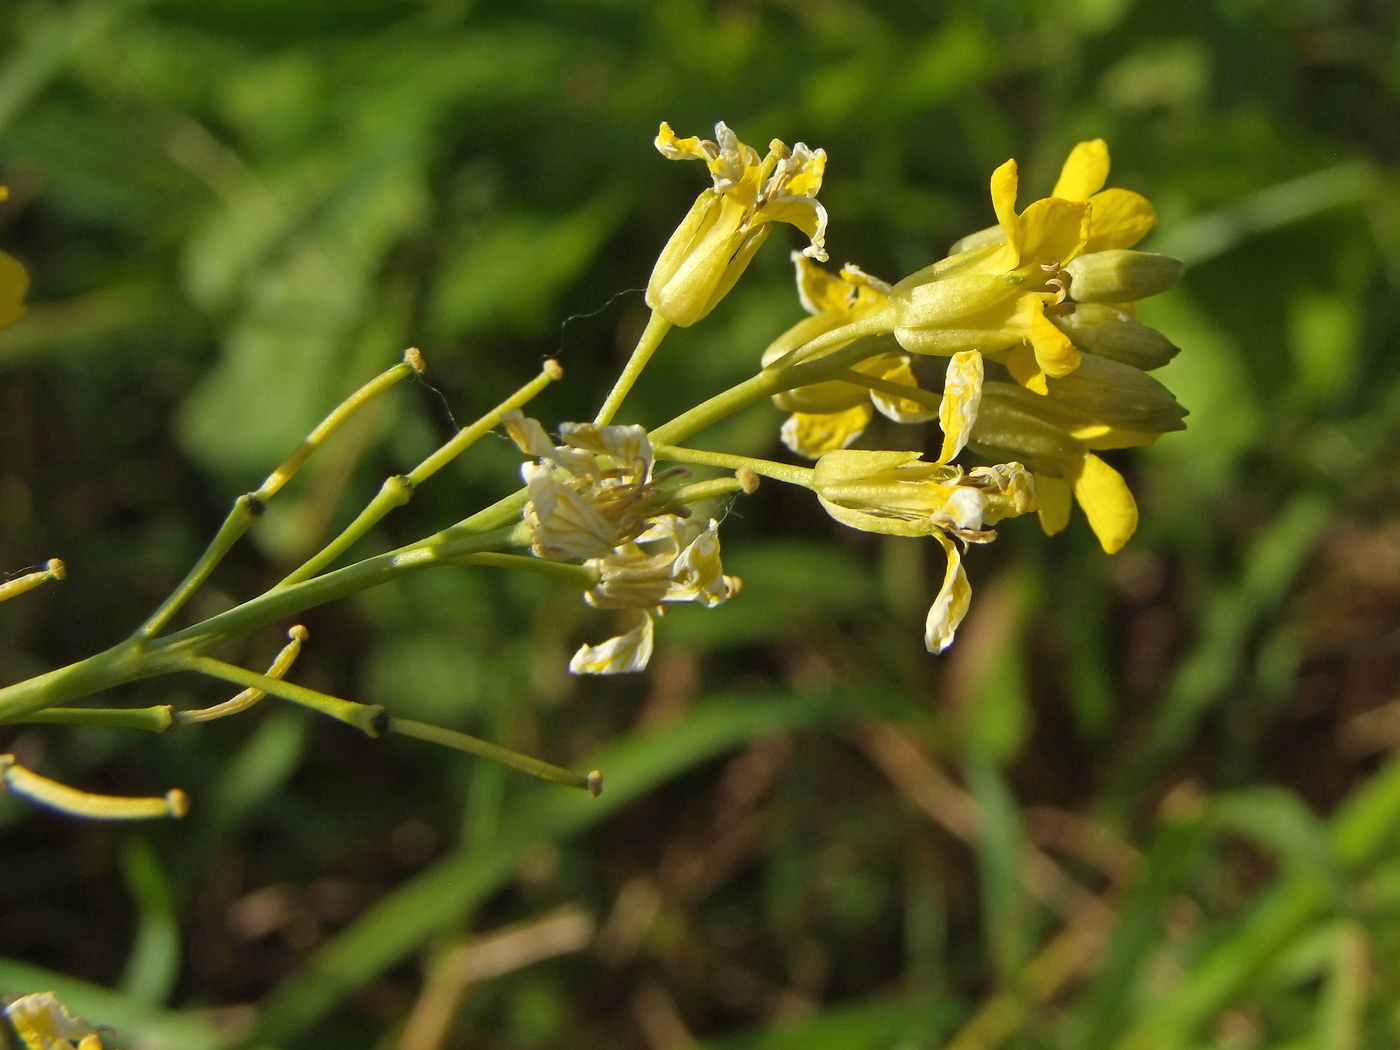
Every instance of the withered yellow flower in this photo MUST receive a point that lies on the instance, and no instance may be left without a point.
(730, 221)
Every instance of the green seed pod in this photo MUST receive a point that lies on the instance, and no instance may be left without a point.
(1119, 395)
(1122, 275)
(1105, 332)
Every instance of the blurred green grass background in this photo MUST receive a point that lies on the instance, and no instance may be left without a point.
(1145, 802)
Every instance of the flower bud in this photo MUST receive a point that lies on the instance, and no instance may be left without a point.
(1119, 395)
(1105, 332)
(1008, 428)
(1122, 275)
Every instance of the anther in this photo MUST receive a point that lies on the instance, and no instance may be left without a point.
(553, 369)
(413, 357)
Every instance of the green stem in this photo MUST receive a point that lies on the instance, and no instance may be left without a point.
(774, 379)
(399, 489)
(793, 475)
(579, 575)
(249, 507)
(928, 398)
(368, 718)
(592, 783)
(151, 719)
(655, 331)
(140, 658)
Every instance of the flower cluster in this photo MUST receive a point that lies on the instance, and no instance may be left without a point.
(596, 498)
(1043, 301)
(1045, 366)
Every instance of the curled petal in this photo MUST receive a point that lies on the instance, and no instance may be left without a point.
(1055, 353)
(896, 368)
(1084, 173)
(813, 434)
(950, 606)
(1004, 186)
(818, 289)
(962, 395)
(621, 655)
(698, 575)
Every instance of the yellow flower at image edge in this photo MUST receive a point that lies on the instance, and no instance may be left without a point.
(730, 221)
(14, 284)
(41, 1022)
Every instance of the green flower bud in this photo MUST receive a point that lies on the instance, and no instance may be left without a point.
(1119, 395)
(1122, 275)
(1009, 428)
(1106, 332)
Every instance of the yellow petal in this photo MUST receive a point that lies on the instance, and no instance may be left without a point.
(14, 283)
(1053, 496)
(1004, 181)
(951, 604)
(815, 434)
(1118, 219)
(625, 653)
(1055, 354)
(896, 368)
(820, 290)
(1025, 369)
(1107, 503)
(673, 148)
(962, 396)
(1055, 229)
(1084, 173)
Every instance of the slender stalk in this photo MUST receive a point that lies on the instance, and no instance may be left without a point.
(368, 718)
(928, 398)
(399, 489)
(249, 507)
(592, 783)
(579, 575)
(248, 697)
(774, 379)
(655, 331)
(703, 490)
(45, 792)
(53, 570)
(788, 472)
(151, 719)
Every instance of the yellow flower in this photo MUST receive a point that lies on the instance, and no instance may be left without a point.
(1002, 289)
(729, 222)
(14, 283)
(898, 494)
(831, 415)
